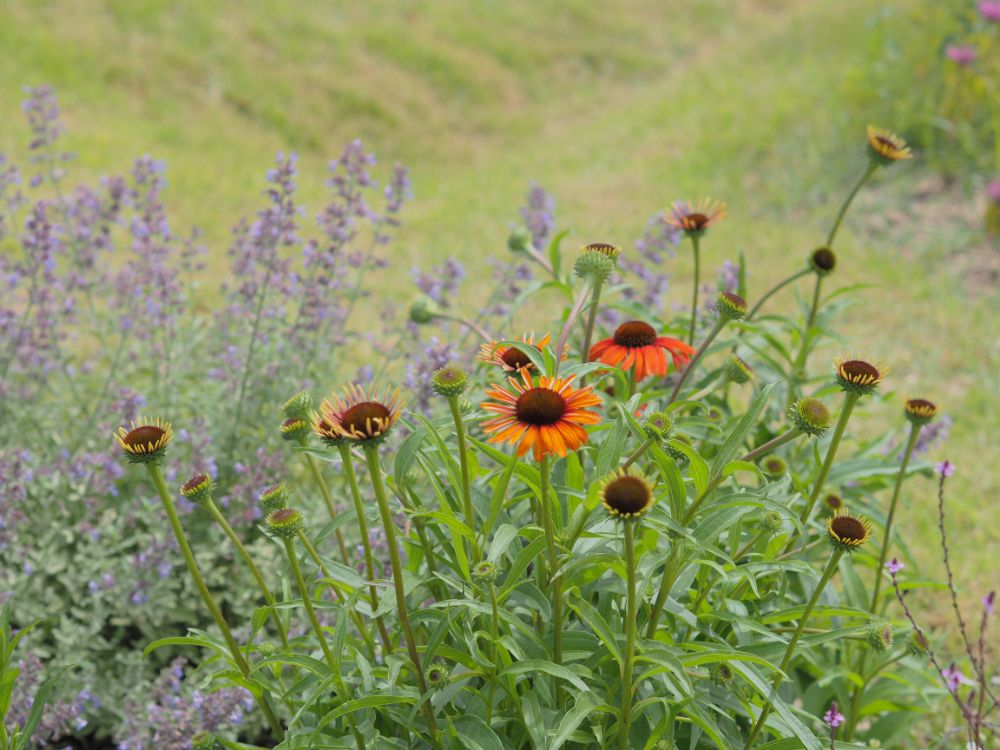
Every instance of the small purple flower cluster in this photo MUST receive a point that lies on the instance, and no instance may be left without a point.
(59, 719)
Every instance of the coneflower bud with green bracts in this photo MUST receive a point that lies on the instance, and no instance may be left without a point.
(657, 426)
(847, 532)
(731, 305)
(204, 741)
(822, 261)
(450, 381)
(833, 502)
(436, 675)
(519, 241)
(274, 497)
(919, 411)
(285, 523)
(596, 262)
(423, 310)
(722, 674)
(737, 370)
(858, 376)
(299, 406)
(294, 429)
(484, 572)
(810, 415)
(198, 488)
(774, 466)
(771, 522)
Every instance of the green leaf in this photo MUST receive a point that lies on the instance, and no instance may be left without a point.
(548, 667)
(763, 687)
(583, 707)
(475, 735)
(733, 445)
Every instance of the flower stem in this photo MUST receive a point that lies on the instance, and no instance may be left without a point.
(786, 437)
(156, 474)
(869, 171)
(359, 510)
(588, 335)
(775, 289)
(331, 508)
(574, 313)
(666, 584)
(697, 356)
(630, 623)
(695, 240)
(637, 453)
(907, 454)
(216, 514)
(338, 678)
(790, 650)
(378, 485)
(548, 510)
(463, 459)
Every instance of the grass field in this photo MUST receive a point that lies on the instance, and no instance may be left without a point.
(616, 108)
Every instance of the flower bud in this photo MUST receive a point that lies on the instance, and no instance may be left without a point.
(450, 381)
(879, 634)
(294, 428)
(436, 675)
(285, 523)
(771, 522)
(484, 572)
(858, 376)
(847, 532)
(519, 241)
(919, 411)
(774, 466)
(274, 497)
(658, 426)
(822, 261)
(738, 371)
(731, 305)
(198, 488)
(594, 266)
(722, 674)
(423, 310)
(203, 741)
(299, 406)
(810, 415)
(676, 454)
(146, 440)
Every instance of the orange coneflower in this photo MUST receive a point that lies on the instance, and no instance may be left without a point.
(635, 344)
(694, 218)
(510, 358)
(546, 418)
(357, 416)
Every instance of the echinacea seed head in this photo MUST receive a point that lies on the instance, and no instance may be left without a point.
(810, 416)
(738, 371)
(847, 532)
(774, 466)
(879, 634)
(198, 488)
(299, 406)
(450, 381)
(731, 305)
(919, 411)
(274, 497)
(145, 441)
(822, 261)
(294, 428)
(658, 425)
(626, 495)
(423, 310)
(285, 523)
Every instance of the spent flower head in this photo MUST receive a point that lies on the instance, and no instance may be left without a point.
(626, 495)
(810, 415)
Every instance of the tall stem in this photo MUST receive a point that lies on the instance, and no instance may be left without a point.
(697, 356)
(574, 313)
(630, 623)
(216, 514)
(666, 584)
(761, 450)
(359, 510)
(293, 560)
(463, 460)
(695, 240)
(331, 508)
(775, 289)
(378, 485)
(199, 581)
(548, 510)
(790, 651)
(907, 454)
(869, 171)
(588, 334)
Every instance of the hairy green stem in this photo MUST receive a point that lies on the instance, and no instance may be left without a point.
(630, 625)
(548, 510)
(790, 650)
(697, 356)
(156, 475)
(463, 460)
(378, 485)
(695, 240)
(786, 437)
(869, 171)
(588, 333)
(331, 507)
(775, 289)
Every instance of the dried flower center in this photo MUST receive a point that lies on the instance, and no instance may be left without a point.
(859, 371)
(824, 259)
(194, 483)
(540, 407)
(635, 334)
(515, 359)
(362, 418)
(627, 495)
(849, 529)
(143, 436)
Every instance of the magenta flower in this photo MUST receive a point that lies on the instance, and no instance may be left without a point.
(833, 717)
(989, 602)
(954, 678)
(990, 9)
(993, 190)
(894, 566)
(945, 468)
(960, 54)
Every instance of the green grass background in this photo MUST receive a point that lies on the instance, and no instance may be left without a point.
(617, 108)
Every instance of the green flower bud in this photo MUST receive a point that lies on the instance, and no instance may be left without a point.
(299, 406)
(810, 415)
(774, 466)
(198, 488)
(772, 522)
(676, 454)
(285, 523)
(203, 741)
(423, 310)
(879, 634)
(731, 305)
(519, 241)
(738, 371)
(484, 572)
(450, 381)
(658, 425)
(294, 429)
(822, 261)
(919, 411)
(274, 497)
(722, 674)
(436, 675)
